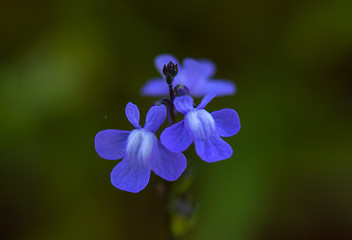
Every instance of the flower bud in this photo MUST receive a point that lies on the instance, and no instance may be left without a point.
(161, 101)
(180, 90)
(171, 69)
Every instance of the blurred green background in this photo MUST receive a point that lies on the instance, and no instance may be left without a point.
(68, 68)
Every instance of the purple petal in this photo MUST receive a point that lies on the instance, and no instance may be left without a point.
(227, 122)
(164, 59)
(176, 137)
(222, 87)
(155, 87)
(194, 72)
(155, 117)
(168, 165)
(132, 114)
(184, 104)
(111, 144)
(181, 78)
(129, 176)
(206, 99)
(209, 67)
(213, 149)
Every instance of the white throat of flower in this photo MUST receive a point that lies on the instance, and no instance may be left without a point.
(200, 123)
(140, 145)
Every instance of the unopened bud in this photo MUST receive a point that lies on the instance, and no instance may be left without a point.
(161, 101)
(180, 90)
(171, 69)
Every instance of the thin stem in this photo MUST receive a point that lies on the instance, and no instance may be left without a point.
(171, 114)
(171, 118)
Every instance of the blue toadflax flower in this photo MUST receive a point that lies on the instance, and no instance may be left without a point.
(141, 151)
(203, 128)
(195, 74)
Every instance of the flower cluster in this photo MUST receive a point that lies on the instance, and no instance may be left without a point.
(140, 148)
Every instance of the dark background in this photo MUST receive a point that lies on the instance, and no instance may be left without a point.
(68, 68)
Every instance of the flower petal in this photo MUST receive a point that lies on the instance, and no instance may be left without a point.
(176, 138)
(222, 87)
(213, 149)
(111, 144)
(227, 122)
(155, 87)
(195, 72)
(206, 99)
(164, 59)
(132, 114)
(183, 104)
(167, 164)
(129, 176)
(155, 117)
(209, 67)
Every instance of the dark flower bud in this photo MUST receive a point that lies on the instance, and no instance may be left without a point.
(180, 90)
(170, 69)
(161, 101)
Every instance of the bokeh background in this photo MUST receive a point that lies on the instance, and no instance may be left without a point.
(68, 68)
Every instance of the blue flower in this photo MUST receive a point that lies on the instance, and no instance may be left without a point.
(141, 151)
(195, 74)
(203, 128)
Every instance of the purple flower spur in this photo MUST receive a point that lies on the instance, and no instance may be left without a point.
(203, 128)
(195, 74)
(141, 151)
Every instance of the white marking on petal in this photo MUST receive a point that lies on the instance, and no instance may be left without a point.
(140, 145)
(200, 123)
